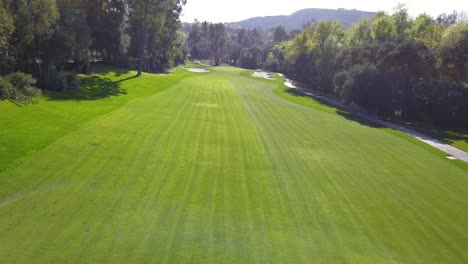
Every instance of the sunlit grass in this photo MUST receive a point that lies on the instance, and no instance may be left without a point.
(220, 168)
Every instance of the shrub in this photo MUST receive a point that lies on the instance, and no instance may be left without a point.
(19, 88)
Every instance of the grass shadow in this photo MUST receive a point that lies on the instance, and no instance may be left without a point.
(298, 92)
(341, 110)
(448, 135)
(92, 88)
(359, 119)
(103, 69)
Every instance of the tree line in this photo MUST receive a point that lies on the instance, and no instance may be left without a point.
(393, 65)
(246, 48)
(53, 40)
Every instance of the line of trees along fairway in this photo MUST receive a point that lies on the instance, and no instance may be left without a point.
(247, 48)
(393, 65)
(53, 40)
(208, 41)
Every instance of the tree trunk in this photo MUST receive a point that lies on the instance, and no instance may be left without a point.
(141, 52)
(143, 37)
(141, 49)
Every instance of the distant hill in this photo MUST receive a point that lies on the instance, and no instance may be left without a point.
(301, 17)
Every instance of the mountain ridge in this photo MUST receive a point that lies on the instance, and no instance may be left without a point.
(301, 17)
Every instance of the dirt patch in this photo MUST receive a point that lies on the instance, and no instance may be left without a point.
(261, 74)
(197, 70)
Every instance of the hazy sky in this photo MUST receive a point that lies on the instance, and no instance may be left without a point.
(235, 10)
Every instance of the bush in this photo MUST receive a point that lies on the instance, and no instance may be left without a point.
(19, 88)
(7, 90)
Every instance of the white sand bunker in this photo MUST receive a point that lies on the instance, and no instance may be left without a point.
(261, 74)
(197, 70)
(287, 82)
(451, 158)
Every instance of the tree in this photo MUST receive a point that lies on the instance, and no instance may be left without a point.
(446, 20)
(251, 58)
(453, 56)
(280, 34)
(147, 15)
(105, 19)
(34, 22)
(401, 19)
(140, 13)
(72, 38)
(45, 14)
(297, 63)
(218, 39)
(234, 50)
(275, 58)
(384, 29)
(325, 43)
(194, 38)
(6, 26)
(359, 33)
(424, 30)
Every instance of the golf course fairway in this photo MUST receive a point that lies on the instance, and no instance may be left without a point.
(218, 168)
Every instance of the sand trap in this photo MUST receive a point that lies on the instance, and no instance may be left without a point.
(262, 74)
(197, 70)
(287, 82)
(451, 158)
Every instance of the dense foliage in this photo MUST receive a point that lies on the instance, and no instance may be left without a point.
(18, 88)
(208, 41)
(393, 65)
(51, 39)
(247, 48)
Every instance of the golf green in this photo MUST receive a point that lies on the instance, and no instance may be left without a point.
(217, 168)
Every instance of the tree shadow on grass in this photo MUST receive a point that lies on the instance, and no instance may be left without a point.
(300, 93)
(92, 88)
(446, 134)
(359, 119)
(342, 110)
(102, 69)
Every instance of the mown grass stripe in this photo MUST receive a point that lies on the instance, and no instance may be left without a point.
(217, 168)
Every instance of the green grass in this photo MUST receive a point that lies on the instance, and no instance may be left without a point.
(192, 64)
(217, 168)
(25, 130)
